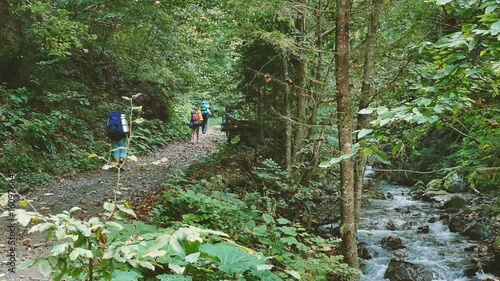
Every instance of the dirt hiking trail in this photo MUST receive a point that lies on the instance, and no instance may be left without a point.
(139, 182)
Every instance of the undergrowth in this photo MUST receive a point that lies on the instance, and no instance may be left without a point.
(257, 205)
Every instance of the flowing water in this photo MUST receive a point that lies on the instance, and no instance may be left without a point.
(440, 250)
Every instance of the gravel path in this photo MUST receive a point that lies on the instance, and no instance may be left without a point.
(88, 191)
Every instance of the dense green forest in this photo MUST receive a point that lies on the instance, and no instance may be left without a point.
(410, 88)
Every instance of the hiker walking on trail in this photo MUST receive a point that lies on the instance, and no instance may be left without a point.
(118, 131)
(205, 111)
(195, 123)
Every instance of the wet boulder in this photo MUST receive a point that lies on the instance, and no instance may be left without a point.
(455, 202)
(404, 210)
(457, 224)
(471, 270)
(478, 231)
(417, 190)
(399, 270)
(423, 229)
(445, 218)
(453, 183)
(392, 243)
(391, 226)
(432, 219)
(363, 252)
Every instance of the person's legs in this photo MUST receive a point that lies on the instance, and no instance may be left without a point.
(119, 150)
(193, 131)
(198, 134)
(122, 150)
(205, 123)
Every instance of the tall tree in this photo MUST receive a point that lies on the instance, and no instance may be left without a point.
(365, 98)
(300, 129)
(345, 121)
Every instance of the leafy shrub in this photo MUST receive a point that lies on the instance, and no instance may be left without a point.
(113, 249)
(290, 199)
(248, 220)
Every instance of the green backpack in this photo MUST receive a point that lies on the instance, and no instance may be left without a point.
(204, 107)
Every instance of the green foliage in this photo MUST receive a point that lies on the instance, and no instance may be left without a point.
(454, 91)
(114, 249)
(252, 220)
(217, 210)
(283, 196)
(53, 30)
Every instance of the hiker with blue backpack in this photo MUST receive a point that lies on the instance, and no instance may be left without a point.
(118, 131)
(195, 123)
(205, 111)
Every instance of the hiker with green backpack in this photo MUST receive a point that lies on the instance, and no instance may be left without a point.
(205, 111)
(117, 131)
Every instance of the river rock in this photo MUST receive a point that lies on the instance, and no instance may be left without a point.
(471, 270)
(399, 254)
(420, 185)
(456, 201)
(478, 231)
(435, 184)
(391, 226)
(453, 183)
(432, 219)
(363, 252)
(404, 210)
(392, 243)
(423, 229)
(429, 195)
(457, 224)
(399, 270)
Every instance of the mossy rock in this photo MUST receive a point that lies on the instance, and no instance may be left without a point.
(420, 185)
(435, 184)
(435, 192)
(485, 179)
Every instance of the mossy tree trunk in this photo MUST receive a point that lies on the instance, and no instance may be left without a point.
(345, 127)
(365, 99)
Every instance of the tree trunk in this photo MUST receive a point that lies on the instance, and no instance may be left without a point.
(288, 123)
(345, 127)
(315, 99)
(301, 88)
(364, 101)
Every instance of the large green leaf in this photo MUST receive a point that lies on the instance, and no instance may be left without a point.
(125, 276)
(45, 267)
(231, 259)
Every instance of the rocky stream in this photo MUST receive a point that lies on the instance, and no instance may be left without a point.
(406, 239)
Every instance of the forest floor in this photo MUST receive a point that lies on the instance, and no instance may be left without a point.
(141, 186)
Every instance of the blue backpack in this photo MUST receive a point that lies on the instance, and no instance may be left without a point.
(117, 126)
(204, 107)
